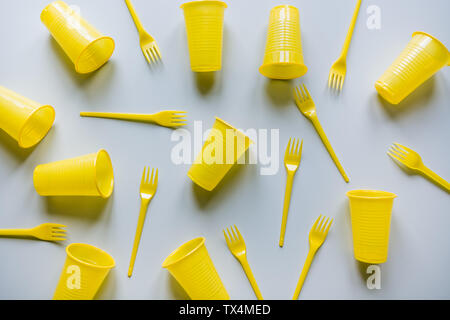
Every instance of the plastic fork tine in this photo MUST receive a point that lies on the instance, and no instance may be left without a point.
(229, 235)
(324, 225)
(315, 223)
(234, 234)
(156, 177)
(296, 147)
(226, 238)
(395, 152)
(329, 226)
(404, 149)
(238, 233)
(288, 147)
(395, 157)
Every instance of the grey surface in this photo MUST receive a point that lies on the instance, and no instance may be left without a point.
(360, 126)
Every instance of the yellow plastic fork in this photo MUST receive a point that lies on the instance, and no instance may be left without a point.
(412, 160)
(292, 157)
(45, 231)
(148, 44)
(339, 68)
(306, 106)
(236, 244)
(149, 183)
(317, 236)
(168, 118)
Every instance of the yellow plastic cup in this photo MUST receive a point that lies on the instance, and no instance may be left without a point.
(88, 175)
(420, 60)
(204, 28)
(194, 270)
(23, 119)
(221, 150)
(86, 47)
(83, 273)
(371, 219)
(283, 57)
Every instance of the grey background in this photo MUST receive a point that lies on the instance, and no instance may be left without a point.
(360, 126)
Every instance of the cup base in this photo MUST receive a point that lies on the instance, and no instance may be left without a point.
(283, 71)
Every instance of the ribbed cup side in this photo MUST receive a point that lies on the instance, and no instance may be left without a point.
(283, 36)
(204, 28)
(198, 276)
(370, 227)
(415, 64)
(74, 177)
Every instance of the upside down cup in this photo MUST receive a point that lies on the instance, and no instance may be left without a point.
(283, 57)
(221, 150)
(88, 175)
(86, 47)
(84, 271)
(204, 28)
(194, 270)
(420, 60)
(370, 212)
(23, 119)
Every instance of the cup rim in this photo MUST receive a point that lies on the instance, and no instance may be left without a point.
(30, 116)
(107, 56)
(167, 264)
(370, 194)
(196, 2)
(99, 251)
(108, 158)
(284, 5)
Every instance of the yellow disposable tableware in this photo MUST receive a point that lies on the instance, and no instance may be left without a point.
(339, 68)
(283, 57)
(292, 158)
(168, 118)
(148, 44)
(86, 47)
(84, 271)
(222, 149)
(412, 160)
(23, 119)
(88, 175)
(147, 191)
(317, 236)
(45, 231)
(306, 106)
(237, 246)
(204, 28)
(423, 56)
(371, 218)
(194, 270)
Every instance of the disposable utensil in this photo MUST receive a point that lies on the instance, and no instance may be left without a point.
(168, 118)
(412, 160)
(194, 270)
(371, 219)
(339, 68)
(307, 107)
(88, 175)
(23, 119)
(86, 47)
(221, 150)
(283, 57)
(317, 236)
(45, 231)
(237, 246)
(84, 271)
(423, 56)
(148, 44)
(204, 28)
(149, 184)
(292, 157)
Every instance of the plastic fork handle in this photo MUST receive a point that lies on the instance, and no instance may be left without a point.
(305, 270)
(348, 39)
(137, 237)
(287, 201)
(251, 278)
(15, 232)
(135, 17)
(327, 144)
(436, 178)
(120, 116)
